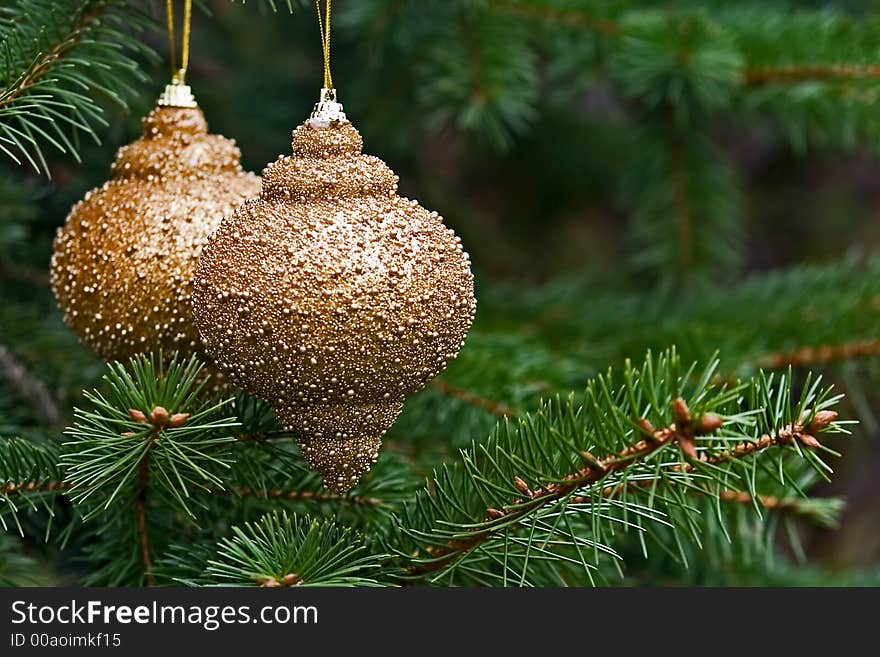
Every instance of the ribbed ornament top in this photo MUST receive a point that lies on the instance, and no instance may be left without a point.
(176, 143)
(327, 164)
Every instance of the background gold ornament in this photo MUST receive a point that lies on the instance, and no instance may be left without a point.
(124, 260)
(332, 297)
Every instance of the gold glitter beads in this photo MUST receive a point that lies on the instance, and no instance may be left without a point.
(333, 298)
(124, 260)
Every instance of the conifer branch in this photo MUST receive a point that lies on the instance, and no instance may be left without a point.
(597, 469)
(517, 477)
(826, 353)
(143, 483)
(473, 399)
(305, 496)
(566, 17)
(56, 58)
(280, 550)
(810, 73)
(24, 274)
(35, 487)
(30, 478)
(821, 510)
(31, 389)
(153, 430)
(680, 197)
(45, 61)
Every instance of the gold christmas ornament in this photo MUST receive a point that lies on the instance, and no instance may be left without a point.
(332, 297)
(124, 260)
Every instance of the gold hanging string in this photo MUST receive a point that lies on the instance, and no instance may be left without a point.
(324, 25)
(178, 73)
(172, 42)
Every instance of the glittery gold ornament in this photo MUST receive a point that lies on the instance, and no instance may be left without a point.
(124, 260)
(332, 297)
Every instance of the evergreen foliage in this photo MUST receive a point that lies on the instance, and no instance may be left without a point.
(58, 59)
(669, 415)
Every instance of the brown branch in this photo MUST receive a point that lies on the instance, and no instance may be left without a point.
(31, 389)
(473, 399)
(792, 74)
(569, 17)
(681, 205)
(20, 274)
(252, 437)
(34, 487)
(303, 495)
(792, 505)
(754, 77)
(46, 60)
(596, 470)
(769, 502)
(264, 437)
(272, 494)
(143, 482)
(819, 355)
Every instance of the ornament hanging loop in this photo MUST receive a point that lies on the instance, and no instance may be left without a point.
(328, 110)
(178, 93)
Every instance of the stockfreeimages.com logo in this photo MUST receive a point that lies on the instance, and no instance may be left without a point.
(209, 617)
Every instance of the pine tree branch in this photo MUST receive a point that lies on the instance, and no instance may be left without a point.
(35, 487)
(143, 482)
(680, 199)
(30, 478)
(792, 506)
(820, 72)
(57, 57)
(473, 399)
(31, 276)
(303, 495)
(31, 389)
(595, 470)
(822, 354)
(567, 17)
(754, 77)
(44, 63)
(279, 550)
(262, 437)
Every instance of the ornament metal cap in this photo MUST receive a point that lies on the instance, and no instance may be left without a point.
(327, 111)
(177, 94)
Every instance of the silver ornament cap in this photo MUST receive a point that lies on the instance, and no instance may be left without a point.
(328, 111)
(177, 94)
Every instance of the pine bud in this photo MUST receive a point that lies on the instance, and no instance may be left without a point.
(178, 419)
(808, 441)
(270, 583)
(160, 416)
(290, 579)
(137, 415)
(522, 487)
(710, 422)
(494, 514)
(821, 421)
(593, 461)
(647, 429)
(688, 447)
(681, 410)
